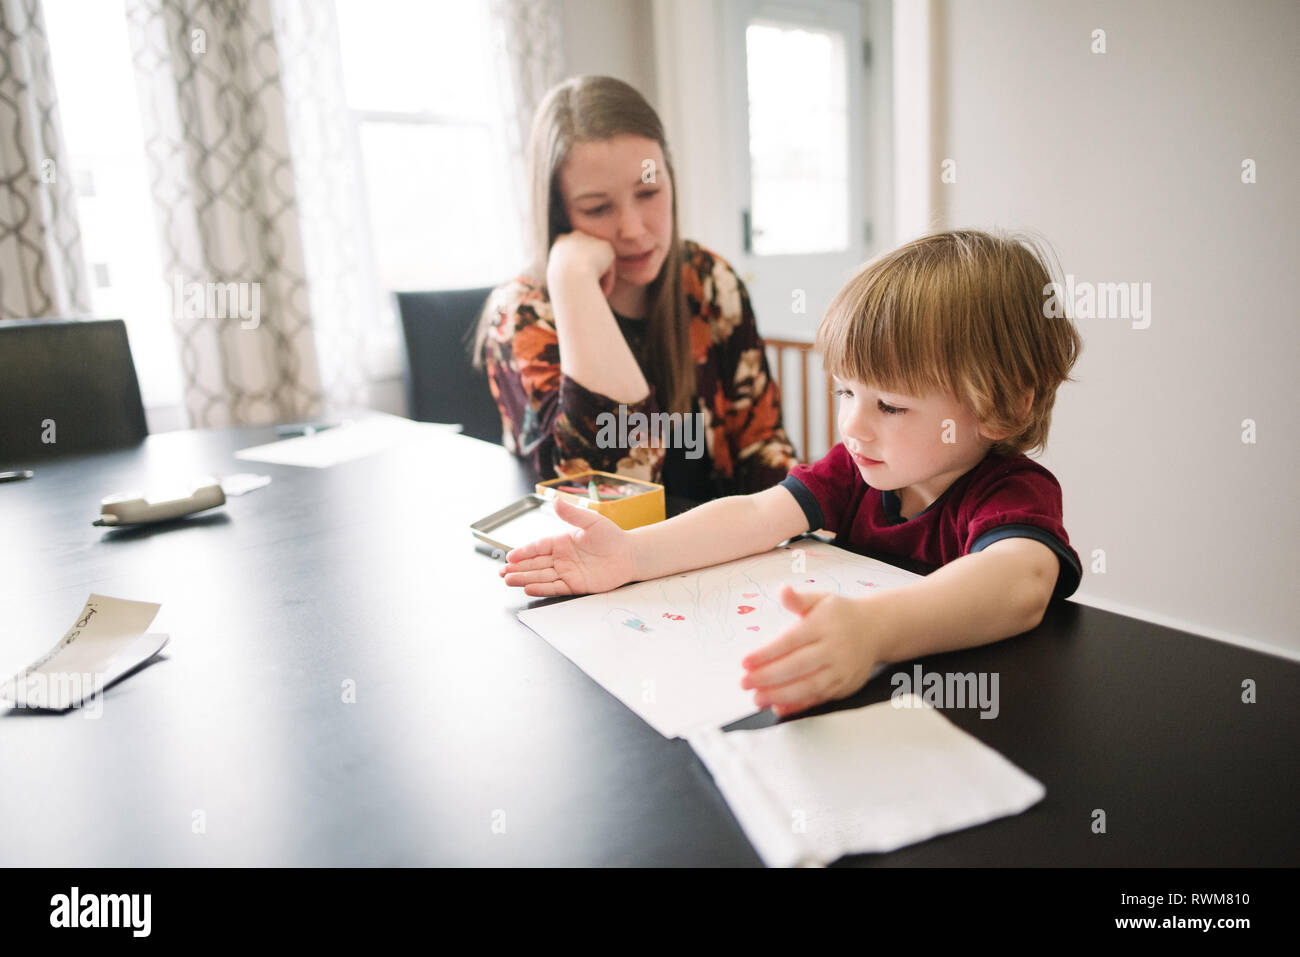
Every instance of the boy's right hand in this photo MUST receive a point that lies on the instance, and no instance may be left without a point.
(595, 557)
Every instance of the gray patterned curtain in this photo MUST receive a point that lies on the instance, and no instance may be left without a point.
(42, 270)
(217, 143)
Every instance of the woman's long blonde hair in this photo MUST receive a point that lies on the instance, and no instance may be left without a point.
(591, 109)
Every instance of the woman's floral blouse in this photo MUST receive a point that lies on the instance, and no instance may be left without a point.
(553, 422)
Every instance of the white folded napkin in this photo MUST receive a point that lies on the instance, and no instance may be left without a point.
(866, 780)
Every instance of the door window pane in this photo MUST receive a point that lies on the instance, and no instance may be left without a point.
(798, 139)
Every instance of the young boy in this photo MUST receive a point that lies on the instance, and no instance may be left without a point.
(947, 364)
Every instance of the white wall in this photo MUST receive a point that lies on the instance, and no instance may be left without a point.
(1129, 162)
(610, 38)
(690, 51)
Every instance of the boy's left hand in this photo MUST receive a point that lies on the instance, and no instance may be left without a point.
(827, 654)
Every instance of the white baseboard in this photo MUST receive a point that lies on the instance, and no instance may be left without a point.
(1168, 621)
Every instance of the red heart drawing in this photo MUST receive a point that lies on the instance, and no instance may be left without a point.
(744, 609)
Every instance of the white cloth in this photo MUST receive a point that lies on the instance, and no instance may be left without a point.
(868, 780)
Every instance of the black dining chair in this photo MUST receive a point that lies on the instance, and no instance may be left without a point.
(67, 387)
(442, 383)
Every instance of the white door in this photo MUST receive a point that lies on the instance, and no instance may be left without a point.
(796, 82)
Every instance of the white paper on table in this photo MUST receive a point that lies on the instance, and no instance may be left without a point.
(342, 443)
(866, 780)
(107, 640)
(670, 649)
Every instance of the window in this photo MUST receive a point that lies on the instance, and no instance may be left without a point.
(422, 82)
(99, 110)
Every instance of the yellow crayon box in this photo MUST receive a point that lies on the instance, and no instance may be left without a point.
(628, 503)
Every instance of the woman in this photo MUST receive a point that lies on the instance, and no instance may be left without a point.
(621, 319)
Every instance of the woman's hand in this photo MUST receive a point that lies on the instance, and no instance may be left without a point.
(579, 255)
(595, 557)
(827, 654)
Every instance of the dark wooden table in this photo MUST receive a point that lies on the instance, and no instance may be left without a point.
(472, 741)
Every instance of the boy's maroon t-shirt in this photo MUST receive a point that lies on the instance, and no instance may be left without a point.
(1001, 497)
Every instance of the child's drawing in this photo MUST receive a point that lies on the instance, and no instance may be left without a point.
(670, 649)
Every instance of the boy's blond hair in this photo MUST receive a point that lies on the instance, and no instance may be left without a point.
(959, 312)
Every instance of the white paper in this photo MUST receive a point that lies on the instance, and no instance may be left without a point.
(107, 639)
(866, 780)
(670, 649)
(343, 443)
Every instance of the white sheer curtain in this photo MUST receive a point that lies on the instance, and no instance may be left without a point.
(530, 39)
(355, 330)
